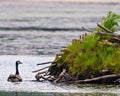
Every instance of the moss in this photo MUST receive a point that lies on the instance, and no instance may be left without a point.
(86, 58)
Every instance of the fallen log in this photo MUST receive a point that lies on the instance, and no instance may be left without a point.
(43, 68)
(107, 79)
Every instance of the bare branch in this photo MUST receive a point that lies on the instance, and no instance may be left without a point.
(102, 27)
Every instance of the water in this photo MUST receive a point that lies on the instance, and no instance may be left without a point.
(29, 87)
(34, 32)
(43, 28)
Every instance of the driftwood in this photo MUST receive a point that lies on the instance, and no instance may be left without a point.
(47, 78)
(107, 79)
(42, 72)
(102, 27)
(105, 72)
(115, 37)
(63, 77)
(38, 77)
(45, 63)
(113, 34)
(117, 81)
(44, 75)
(115, 40)
(60, 76)
(43, 68)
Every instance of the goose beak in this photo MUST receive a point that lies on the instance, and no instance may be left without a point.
(20, 63)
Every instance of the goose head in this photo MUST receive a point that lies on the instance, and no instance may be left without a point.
(18, 62)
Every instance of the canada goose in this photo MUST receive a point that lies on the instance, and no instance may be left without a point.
(16, 77)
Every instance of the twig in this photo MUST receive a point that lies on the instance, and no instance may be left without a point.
(103, 33)
(48, 78)
(43, 68)
(98, 79)
(45, 63)
(42, 72)
(85, 29)
(102, 27)
(60, 76)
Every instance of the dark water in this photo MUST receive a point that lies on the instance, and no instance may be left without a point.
(34, 32)
(53, 94)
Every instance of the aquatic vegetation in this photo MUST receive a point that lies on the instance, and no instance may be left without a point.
(87, 58)
(95, 55)
(110, 21)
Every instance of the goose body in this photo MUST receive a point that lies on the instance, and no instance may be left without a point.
(15, 77)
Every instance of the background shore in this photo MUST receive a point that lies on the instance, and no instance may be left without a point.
(83, 1)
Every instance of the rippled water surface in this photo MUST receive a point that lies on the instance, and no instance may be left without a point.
(34, 43)
(42, 28)
(29, 86)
